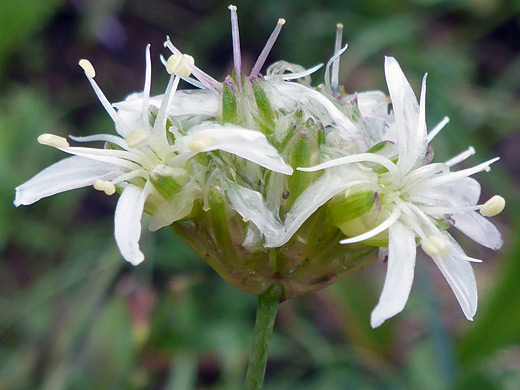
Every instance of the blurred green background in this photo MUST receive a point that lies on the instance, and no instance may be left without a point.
(74, 315)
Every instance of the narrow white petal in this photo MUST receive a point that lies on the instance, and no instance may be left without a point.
(294, 75)
(396, 213)
(479, 229)
(176, 208)
(248, 144)
(459, 274)
(127, 222)
(67, 174)
(399, 275)
(252, 206)
(120, 158)
(459, 193)
(315, 196)
(146, 91)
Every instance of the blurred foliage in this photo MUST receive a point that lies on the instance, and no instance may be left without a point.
(73, 315)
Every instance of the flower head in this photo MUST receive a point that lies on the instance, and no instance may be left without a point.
(403, 197)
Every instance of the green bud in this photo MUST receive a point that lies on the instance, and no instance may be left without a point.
(264, 106)
(229, 102)
(168, 180)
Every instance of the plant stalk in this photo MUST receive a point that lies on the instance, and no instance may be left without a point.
(265, 316)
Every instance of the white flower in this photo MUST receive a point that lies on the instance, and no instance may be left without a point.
(417, 200)
(152, 170)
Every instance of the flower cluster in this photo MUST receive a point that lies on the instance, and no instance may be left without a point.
(272, 181)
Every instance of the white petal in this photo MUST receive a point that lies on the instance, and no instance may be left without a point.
(460, 193)
(409, 116)
(176, 208)
(68, 174)
(252, 206)
(479, 229)
(249, 144)
(399, 276)
(373, 104)
(186, 102)
(459, 274)
(127, 222)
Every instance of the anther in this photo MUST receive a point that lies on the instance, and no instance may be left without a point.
(199, 143)
(53, 140)
(105, 186)
(493, 206)
(137, 138)
(90, 72)
(434, 246)
(177, 64)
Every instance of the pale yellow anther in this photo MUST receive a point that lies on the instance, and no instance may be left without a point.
(176, 64)
(90, 72)
(493, 206)
(339, 25)
(199, 143)
(105, 186)
(232, 7)
(281, 21)
(53, 140)
(137, 138)
(434, 246)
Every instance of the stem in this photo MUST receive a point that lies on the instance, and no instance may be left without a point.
(265, 316)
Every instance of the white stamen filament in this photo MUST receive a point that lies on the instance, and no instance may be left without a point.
(105, 103)
(493, 206)
(463, 173)
(146, 91)
(53, 140)
(434, 246)
(461, 157)
(267, 48)
(396, 213)
(159, 132)
(136, 138)
(237, 56)
(293, 75)
(436, 130)
(199, 143)
(105, 186)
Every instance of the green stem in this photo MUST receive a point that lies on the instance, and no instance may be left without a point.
(265, 316)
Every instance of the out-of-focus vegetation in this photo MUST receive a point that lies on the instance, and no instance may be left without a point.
(74, 315)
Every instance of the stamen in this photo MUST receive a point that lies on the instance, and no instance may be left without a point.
(203, 77)
(436, 130)
(105, 186)
(434, 246)
(237, 56)
(176, 64)
(493, 206)
(267, 48)
(90, 72)
(53, 140)
(137, 138)
(335, 64)
(159, 135)
(461, 157)
(200, 143)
